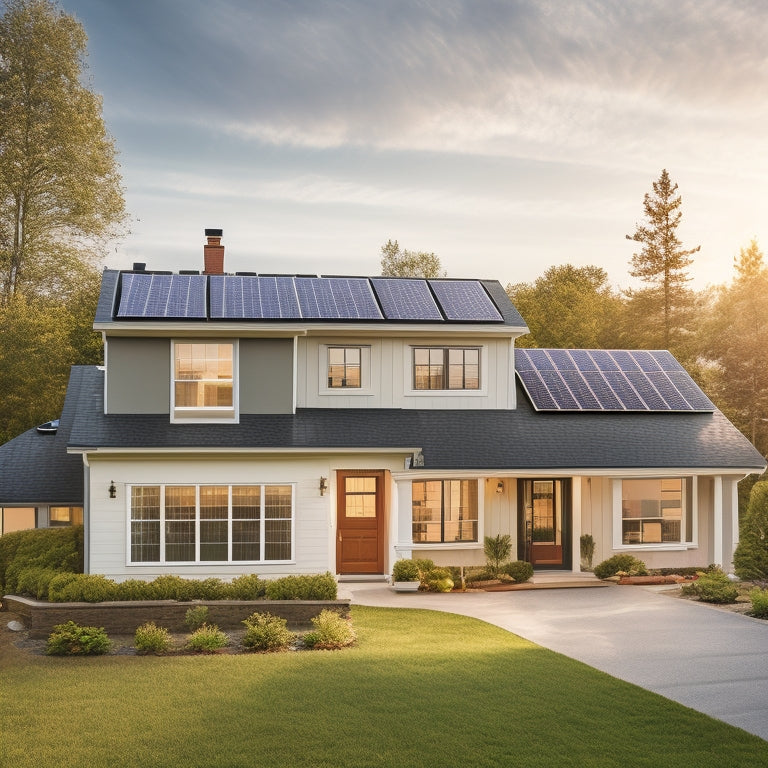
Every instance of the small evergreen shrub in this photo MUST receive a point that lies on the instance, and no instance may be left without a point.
(750, 559)
(265, 632)
(471, 575)
(587, 548)
(712, 587)
(81, 588)
(423, 564)
(317, 587)
(759, 600)
(71, 639)
(405, 570)
(150, 638)
(246, 587)
(135, 589)
(33, 582)
(625, 563)
(437, 579)
(330, 632)
(170, 587)
(206, 589)
(207, 638)
(497, 551)
(519, 570)
(196, 617)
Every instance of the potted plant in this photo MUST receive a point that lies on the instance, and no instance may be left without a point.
(405, 575)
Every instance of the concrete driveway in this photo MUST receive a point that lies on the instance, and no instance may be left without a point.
(710, 660)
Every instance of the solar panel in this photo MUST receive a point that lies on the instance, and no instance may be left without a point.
(464, 300)
(240, 297)
(607, 380)
(336, 298)
(163, 296)
(405, 299)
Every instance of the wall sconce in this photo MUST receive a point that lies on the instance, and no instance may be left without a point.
(323, 485)
(500, 486)
(112, 490)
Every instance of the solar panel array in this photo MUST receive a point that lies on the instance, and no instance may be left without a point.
(163, 296)
(286, 297)
(607, 380)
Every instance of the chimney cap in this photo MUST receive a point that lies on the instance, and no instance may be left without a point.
(214, 232)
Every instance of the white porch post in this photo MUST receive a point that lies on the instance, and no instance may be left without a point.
(576, 524)
(404, 533)
(717, 532)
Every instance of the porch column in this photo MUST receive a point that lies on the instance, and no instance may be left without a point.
(403, 537)
(576, 524)
(717, 527)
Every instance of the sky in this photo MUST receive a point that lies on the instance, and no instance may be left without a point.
(506, 136)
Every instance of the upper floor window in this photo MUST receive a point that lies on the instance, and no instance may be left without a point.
(204, 381)
(453, 368)
(344, 367)
(656, 511)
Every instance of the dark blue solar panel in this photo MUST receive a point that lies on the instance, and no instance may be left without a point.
(603, 392)
(583, 360)
(624, 391)
(667, 361)
(646, 360)
(675, 401)
(464, 300)
(336, 298)
(405, 299)
(603, 360)
(559, 391)
(537, 390)
(163, 296)
(235, 297)
(561, 359)
(540, 360)
(579, 387)
(624, 360)
(523, 361)
(642, 384)
(685, 385)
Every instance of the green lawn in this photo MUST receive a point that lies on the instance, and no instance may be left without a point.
(419, 689)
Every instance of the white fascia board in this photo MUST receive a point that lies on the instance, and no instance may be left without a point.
(458, 474)
(113, 451)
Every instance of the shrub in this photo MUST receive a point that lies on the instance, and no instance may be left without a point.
(60, 549)
(196, 617)
(519, 570)
(405, 570)
(759, 599)
(265, 632)
(331, 632)
(150, 638)
(246, 587)
(135, 589)
(205, 589)
(423, 564)
(318, 587)
(587, 548)
(712, 587)
(34, 582)
(71, 639)
(207, 638)
(477, 574)
(169, 587)
(497, 551)
(750, 559)
(81, 588)
(625, 563)
(437, 580)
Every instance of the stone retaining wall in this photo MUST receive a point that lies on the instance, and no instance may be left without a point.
(122, 618)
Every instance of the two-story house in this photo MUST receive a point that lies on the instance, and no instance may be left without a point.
(285, 424)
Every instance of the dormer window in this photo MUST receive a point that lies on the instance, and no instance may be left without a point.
(204, 381)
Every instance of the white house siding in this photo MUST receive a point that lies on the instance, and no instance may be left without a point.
(390, 376)
(314, 515)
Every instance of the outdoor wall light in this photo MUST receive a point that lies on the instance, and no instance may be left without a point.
(323, 485)
(112, 490)
(500, 486)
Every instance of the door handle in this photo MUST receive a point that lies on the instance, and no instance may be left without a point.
(339, 535)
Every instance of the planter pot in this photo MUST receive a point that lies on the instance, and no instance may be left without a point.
(406, 586)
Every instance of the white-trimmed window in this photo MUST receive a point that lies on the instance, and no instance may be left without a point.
(653, 512)
(444, 511)
(441, 368)
(204, 380)
(211, 523)
(345, 369)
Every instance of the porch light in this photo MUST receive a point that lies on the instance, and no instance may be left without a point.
(112, 490)
(323, 485)
(500, 486)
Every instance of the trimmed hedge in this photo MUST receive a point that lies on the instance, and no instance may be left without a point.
(624, 563)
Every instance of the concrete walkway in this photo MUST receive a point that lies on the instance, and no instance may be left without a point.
(710, 660)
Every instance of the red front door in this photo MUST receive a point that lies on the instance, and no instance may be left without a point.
(360, 521)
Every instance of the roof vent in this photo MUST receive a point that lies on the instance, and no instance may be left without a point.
(213, 252)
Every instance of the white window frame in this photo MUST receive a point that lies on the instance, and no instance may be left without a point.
(365, 370)
(409, 369)
(197, 561)
(207, 414)
(450, 544)
(618, 495)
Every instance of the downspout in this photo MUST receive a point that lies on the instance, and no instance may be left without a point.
(86, 514)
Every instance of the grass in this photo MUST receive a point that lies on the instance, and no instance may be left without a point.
(419, 689)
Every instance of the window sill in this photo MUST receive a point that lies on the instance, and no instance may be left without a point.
(655, 547)
(445, 544)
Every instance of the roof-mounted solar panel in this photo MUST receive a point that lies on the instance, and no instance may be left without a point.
(336, 298)
(236, 297)
(163, 296)
(607, 380)
(405, 299)
(465, 300)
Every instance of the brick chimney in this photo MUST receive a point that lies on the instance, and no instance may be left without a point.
(213, 253)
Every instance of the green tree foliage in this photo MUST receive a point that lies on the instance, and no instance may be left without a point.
(404, 263)
(662, 263)
(572, 307)
(735, 340)
(751, 556)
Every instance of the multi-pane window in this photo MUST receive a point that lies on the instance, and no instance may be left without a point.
(211, 523)
(203, 379)
(344, 367)
(446, 368)
(444, 510)
(656, 511)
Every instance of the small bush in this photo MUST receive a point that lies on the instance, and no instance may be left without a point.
(318, 587)
(206, 589)
(34, 582)
(759, 599)
(265, 632)
(207, 638)
(135, 589)
(423, 564)
(625, 563)
(587, 548)
(712, 587)
(196, 617)
(81, 588)
(169, 587)
(331, 632)
(405, 570)
(437, 580)
(497, 551)
(71, 639)
(246, 587)
(750, 559)
(150, 638)
(519, 570)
